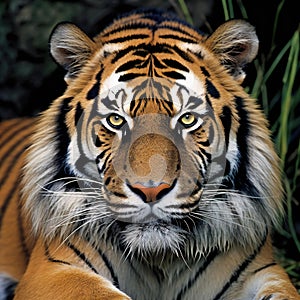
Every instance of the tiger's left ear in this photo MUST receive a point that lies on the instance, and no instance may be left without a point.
(235, 43)
(71, 48)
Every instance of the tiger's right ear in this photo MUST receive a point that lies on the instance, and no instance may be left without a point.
(235, 44)
(71, 48)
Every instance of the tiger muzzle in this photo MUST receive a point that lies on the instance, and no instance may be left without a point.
(154, 163)
(148, 160)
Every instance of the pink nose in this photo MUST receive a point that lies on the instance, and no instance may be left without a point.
(150, 194)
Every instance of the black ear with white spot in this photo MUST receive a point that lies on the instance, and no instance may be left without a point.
(236, 44)
(71, 48)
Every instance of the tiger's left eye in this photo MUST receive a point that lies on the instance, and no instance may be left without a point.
(188, 120)
(115, 121)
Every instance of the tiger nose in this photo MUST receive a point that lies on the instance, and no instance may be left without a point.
(150, 194)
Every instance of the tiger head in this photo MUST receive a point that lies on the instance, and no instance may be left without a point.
(154, 144)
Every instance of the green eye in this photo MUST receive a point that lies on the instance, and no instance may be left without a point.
(188, 120)
(115, 121)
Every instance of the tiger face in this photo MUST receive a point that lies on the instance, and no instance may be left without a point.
(151, 147)
(155, 145)
(154, 154)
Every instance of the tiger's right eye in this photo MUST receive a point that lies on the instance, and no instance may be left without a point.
(188, 120)
(116, 121)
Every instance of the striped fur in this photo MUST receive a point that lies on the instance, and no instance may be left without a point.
(152, 177)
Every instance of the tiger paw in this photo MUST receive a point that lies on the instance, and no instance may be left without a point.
(64, 283)
(280, 296)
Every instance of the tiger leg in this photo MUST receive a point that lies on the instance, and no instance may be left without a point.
(61, 277)
(272, 283)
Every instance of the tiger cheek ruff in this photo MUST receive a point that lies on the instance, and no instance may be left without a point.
(152, 177)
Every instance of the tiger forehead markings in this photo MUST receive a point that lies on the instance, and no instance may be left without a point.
(165, 50)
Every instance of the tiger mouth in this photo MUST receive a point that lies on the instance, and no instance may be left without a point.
(157, 234)
(184, 220)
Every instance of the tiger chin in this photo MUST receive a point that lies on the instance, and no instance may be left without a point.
(152, 177)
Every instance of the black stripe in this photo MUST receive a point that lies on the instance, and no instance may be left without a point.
(193, 280)
(168, 106)
(94, 91)
(62, 129)
(59, 159)
(149, 49)
(205, 143)
(129, 76)
(135, 106)
(198, 154)
(140, 52)
(175, 64)
(124, 27)
(121, 53)
(157, 48)
(120, 195)
(226, 181)
(51, 259)
(107, 180)
(62, 136)
(101, 155)
(178, 29)
(156, 63)
(129, 37)
(138, 192)
(226, 121)
(184, 55)
(265, 267)
(204, 71)
(206, 154)
(110, 268)
(174, 75)
(241, 268)
(201, 164)
(108, 157)
(178, 38)
(241, 179)
(135, 63)
(97, 142)
(82, 256)
(211, 89)
(78, 113)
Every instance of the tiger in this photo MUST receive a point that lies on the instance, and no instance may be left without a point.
(154, 175)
